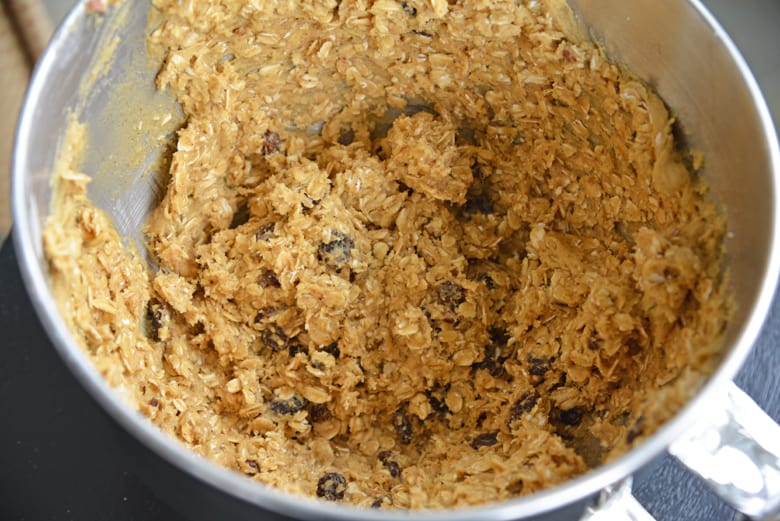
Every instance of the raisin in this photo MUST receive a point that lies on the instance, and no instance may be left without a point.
(241, 216)
(319, 412)
(332, 486)
(498, 335)
(522, 405)
(265, 232)
(403, 188)
(391, 465)
(159, 317)
(636, 430)
(478, 201)
(403, 426)
(271, 142)
(333, 349)
(380, 501)
(594, 343)
(492, 362)
(515, 488)
(347, 137)
(252, 464)
(264, 313)
(408, 9)
(394, 469)
(571, 417)
(634, 346)
(337, 252)
(436, 398)
(154, 402)
(291, 405)
(488, 280)
(308, 205)
(275, 338)
(538, 366)
(486, 439)
(450, 294)
(268, 279)
(295, 348)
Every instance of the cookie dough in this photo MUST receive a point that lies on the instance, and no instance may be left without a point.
(412, 254)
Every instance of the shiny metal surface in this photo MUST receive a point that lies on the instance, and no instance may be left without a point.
(615, 503)
(735, 448)
(673, 44)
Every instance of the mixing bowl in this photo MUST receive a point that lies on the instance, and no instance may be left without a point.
(96, 70)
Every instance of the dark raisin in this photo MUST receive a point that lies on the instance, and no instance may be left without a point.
(403, 188)
(522, 405)
(465, 136)
(478, 200)
(403, 426)
(380, 501)
(291, 405)
(333, 349)
(393, 468)
(424, 34)
(450, 294)
(308, 204)
(264, 313)
(337, 252)
(538, 366)
(384, 456)
(515, 488)
(488, 280)
(486, 439)
(332, 486)
(498, 335)
(275, 338)
(271, 142)
(634, 346)
(492, 362)
(571, 417)
(268, 279)
(408, 9)
(158, 318)
(266, 232)
(636, 430)
(594, 343)
(436, 398)
(154, 402)
(319, 412)
(295, 348)
(241, 216)
(347, 137)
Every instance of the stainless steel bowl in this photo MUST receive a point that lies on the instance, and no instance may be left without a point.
(675, 45)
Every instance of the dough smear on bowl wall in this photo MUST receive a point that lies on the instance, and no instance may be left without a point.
(411, 255)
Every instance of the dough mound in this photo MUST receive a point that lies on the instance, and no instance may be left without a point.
(412, 254)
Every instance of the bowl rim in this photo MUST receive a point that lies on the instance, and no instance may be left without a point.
(263, 496)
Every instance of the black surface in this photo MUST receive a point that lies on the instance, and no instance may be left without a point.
(61, 458)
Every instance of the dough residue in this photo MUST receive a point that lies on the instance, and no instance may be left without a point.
(412, 254)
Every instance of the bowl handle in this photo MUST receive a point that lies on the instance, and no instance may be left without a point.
(734, 448)
(616, 503)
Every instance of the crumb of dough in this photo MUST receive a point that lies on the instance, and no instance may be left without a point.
(418, 254)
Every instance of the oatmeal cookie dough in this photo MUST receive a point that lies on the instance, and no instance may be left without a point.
(412, 254)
